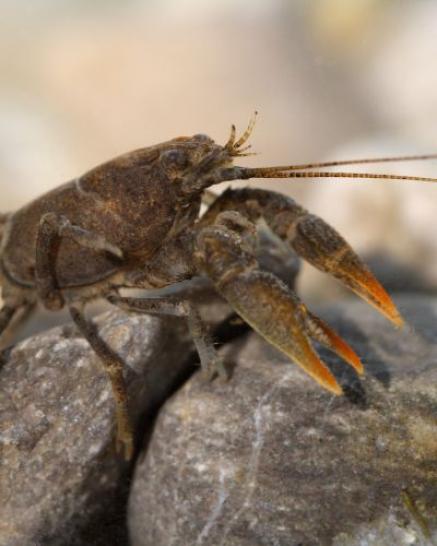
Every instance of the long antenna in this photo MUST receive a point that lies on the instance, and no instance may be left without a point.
(392, 159)
(233, 147)
(274, 172)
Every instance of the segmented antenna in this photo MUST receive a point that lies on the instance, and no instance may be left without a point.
(274, 173)
(294, 171)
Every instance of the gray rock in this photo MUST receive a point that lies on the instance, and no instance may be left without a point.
(271, 459)
(61, 482)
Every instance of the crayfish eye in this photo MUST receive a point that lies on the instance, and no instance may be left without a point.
(174, 158)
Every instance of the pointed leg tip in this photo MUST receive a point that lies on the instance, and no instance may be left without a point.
(124, 446)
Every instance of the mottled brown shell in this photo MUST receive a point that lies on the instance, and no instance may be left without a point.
(130, 200)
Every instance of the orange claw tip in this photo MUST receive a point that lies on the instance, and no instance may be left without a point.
(389, 309)
(337, 344)
(398, 320)
(378, 297)
(324, 377)
(311, 363)
(331, 385)
(349, 355)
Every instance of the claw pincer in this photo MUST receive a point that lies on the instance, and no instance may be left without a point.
(267, 304)
(320, 245)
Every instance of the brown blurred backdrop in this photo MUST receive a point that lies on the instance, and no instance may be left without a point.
(82, 81)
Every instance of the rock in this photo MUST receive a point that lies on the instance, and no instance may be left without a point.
(271, 459)
(60, 479)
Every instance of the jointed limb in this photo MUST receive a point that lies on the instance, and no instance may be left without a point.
(13, 312)
(11, 317)
(210, 360)
(114, 368)
(53, 227)
(6, 314)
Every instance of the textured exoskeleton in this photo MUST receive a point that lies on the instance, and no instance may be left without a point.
(134, 222)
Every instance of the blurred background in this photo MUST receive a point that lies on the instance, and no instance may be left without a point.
(83, 81)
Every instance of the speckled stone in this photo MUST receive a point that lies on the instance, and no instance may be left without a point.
(271, 459)
(61, 482)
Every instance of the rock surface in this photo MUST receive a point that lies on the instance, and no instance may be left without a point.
(271, 459)
(61, 482)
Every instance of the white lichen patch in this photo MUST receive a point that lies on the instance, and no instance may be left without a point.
(95, 448)
(387, 531)
(104, 395)
(61, 345)
(200, 467)
(81, 362)
(39, 354)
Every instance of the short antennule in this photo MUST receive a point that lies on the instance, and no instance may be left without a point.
(246, 135)
(231, 140)
(234, 147)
